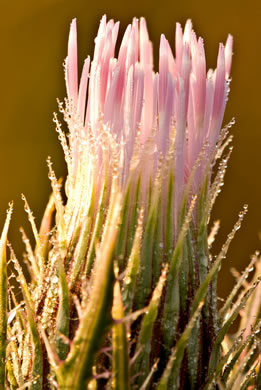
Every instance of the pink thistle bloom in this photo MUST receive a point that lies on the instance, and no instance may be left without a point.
(150, 117)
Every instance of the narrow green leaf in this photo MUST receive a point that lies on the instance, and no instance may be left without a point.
(21, 279)
(37, 358)
(32, 263)
(58, 205)
(236, 288)
(158, 247)
(3, 298)
(215, 351)
(13, 355)
(149, 377)
(39, 254)
(123, 229)
(171, 372)
(129, 281)
(241, 371)
(134, 215)
(172, 301)
(120, 362)
(45, 227)
(96, 233)
(141, 366)
(169, 216)
(78, 247)
(227, 362)
(249, 377)
(63, 315)
(80, 251)
(11, 377)
(96, 319)
(144, 281)
(202, 236)
(202, 291)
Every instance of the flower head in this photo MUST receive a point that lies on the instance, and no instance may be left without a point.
(132, 120)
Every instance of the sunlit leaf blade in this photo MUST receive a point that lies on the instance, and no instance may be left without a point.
(39, 254)
(45, 227)
(96, 319)
(120, 363)
(11, 377)
(36, 377)
(249, 378)
(3, 298)
(58, 204)
(37, 356)
(12, 356)
(32, 263)
(80, 251)
(96, 233)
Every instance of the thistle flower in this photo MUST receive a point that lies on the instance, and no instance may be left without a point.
(127, 267)
(151, 117)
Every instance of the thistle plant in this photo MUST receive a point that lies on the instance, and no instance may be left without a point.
(123, 285)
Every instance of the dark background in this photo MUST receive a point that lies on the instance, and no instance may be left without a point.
(33, 46)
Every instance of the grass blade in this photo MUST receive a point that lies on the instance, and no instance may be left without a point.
(3, 297)
(120, 363)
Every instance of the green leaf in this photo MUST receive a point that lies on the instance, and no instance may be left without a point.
(129, 281)
(144, 281)
(96, 233)
(37, 358)
(202, 291)
(142, 363)
(11, 378)
(134, 215)
(120, 362)
(243, 372)
(228, 362)
(39, 254)
(225, 308)
(223, 331)
(45, 227)
(123, 229)
(169, 216)
(3, 298)
(63, 315)
(172, 301)
(96, 319)
(171, 372)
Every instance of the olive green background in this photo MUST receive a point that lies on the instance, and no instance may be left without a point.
(33, 46)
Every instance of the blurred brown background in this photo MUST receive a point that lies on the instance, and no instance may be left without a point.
(33, 47)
